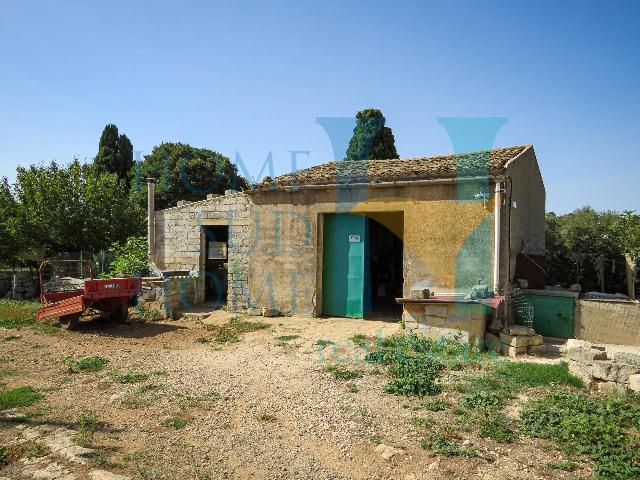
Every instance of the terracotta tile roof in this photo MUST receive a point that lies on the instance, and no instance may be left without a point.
(472, 164)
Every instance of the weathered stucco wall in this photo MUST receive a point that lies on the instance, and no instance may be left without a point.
(285, 269)
(607, 322)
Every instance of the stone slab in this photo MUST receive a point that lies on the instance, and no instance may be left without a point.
(519, 330)
(634, 382)
(514, 340)
(586, 355)
(581, 370)
(492, 342)
(614, 372)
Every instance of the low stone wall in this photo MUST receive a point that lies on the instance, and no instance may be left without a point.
(606, 367)
(465, 320)
(5, 283)
(22, 285)
(607, 322)
(171, 296)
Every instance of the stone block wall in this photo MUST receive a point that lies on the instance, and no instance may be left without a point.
(24, 285)
(607, 322)
(606, 367)
(171, 296)
(464, 320)
(180, 243)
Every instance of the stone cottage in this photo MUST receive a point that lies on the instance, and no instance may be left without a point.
(353, 238)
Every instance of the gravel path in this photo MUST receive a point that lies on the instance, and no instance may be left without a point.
(261, 408)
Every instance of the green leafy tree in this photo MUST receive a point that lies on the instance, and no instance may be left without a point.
(9, 235)
(580, 248)
(73, 208)
(626, 231)
(371, 140)
(185, 173)
(115, 153)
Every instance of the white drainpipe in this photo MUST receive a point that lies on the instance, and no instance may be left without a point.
(496, 230)
(151, 223)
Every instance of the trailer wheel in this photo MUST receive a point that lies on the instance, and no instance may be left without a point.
(70, 322)
(120, 313)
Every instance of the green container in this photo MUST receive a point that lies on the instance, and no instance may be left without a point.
(552, 312)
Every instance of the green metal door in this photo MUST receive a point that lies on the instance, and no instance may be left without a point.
(552, 315)
(344, 272)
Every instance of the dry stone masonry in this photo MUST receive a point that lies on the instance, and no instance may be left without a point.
(609, 367)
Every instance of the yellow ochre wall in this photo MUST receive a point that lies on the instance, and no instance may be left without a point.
(285, 271)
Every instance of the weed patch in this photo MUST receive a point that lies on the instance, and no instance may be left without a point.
(605, 428)
(353, 388)
(175, 423)
(87, 425)
(18, 313)
(414, 377)
(496, 427)
(340, 373)
(130, 377)
(19, 397)
(11, 338)
(89, 364)
(324, 343)
(266, 417)
(287, 338)
(437, 443)
(360, 340)
(435, 405)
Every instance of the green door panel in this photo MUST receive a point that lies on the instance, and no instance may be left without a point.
(552, 315)
(344, 274)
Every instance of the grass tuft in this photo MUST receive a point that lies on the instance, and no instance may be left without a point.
(175, 423)
(19, 397)
(89, 364)
(340, 373)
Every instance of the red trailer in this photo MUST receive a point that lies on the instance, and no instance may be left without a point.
(68, 289)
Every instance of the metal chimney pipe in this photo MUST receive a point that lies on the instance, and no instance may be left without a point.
(497, 237)
(151, 221)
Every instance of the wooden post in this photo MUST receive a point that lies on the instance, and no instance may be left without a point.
(631, 275)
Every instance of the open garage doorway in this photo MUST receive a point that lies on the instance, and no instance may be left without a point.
(385, 251)
(362, 264)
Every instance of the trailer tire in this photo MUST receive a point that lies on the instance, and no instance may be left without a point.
(120, 313)
(69, 322)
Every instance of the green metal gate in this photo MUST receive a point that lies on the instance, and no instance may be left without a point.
(553, 314)
(345, 291)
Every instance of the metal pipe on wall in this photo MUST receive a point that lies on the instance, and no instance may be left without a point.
(496, 236)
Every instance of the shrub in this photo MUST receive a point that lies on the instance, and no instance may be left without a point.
(87, 425)
(482, 399)
(131, 258)
(19, 397)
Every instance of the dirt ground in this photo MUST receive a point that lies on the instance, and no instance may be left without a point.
(259, 408)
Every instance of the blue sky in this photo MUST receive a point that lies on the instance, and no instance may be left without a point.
(252, 77)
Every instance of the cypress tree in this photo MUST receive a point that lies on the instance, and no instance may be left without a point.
(371, 140)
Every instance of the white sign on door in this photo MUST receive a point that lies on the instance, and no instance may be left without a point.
(354, 238)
